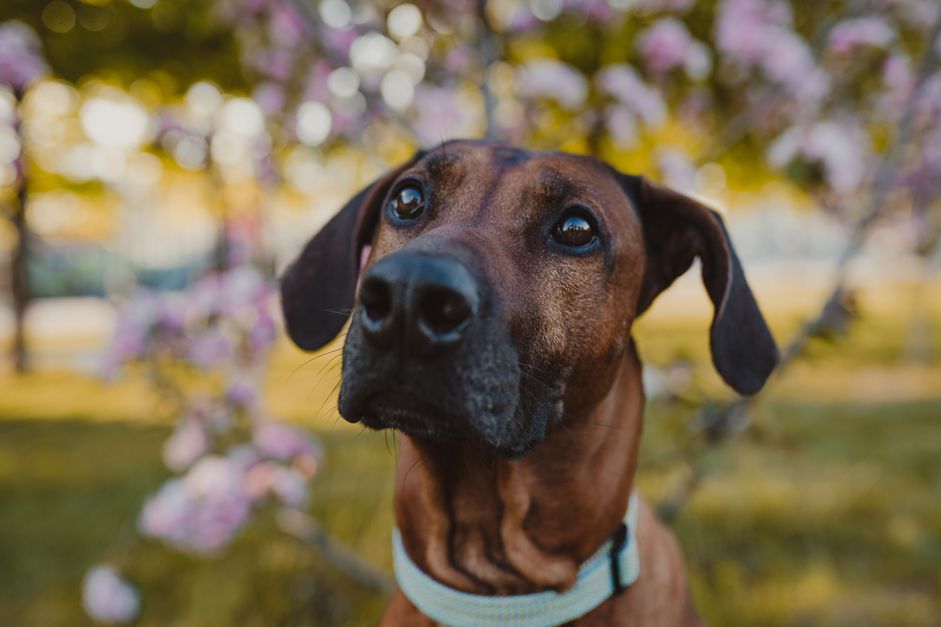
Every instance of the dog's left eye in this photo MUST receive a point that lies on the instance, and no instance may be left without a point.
(576, 229)
(408, 203)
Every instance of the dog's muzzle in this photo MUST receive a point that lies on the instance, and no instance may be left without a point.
(428, 354)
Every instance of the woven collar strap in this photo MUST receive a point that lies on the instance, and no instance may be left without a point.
(613, 567)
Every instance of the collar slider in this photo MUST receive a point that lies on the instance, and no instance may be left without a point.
(618, 541)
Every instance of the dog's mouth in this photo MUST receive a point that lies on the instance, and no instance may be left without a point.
(474, 393)
(412, 416)
(421, 418)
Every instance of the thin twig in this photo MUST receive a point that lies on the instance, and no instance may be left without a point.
(308, 530)
(717, 425)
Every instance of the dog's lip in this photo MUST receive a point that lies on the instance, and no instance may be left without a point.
(410, 416)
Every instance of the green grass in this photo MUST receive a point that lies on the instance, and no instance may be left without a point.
(826, 513)
(831, 517)
(69, 493)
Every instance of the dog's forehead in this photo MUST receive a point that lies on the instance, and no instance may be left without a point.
(542, 175)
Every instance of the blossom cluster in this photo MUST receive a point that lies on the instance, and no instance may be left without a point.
(231, 459)
(202, 510)
(224, 318)
(108, 598)
(21, 60)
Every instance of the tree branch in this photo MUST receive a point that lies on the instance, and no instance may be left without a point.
(309, 531)
(718, 425)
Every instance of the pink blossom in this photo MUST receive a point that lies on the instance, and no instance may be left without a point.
(677, 169)
(243, 394)
(274, 64)
(757, 34)
(108, 598)
(244, 457)
(21, 60)
(929, 99)
(623, 83)
(258, 479)
(841, 147)
(289, 487)
(210, 348)
(202, 298)
(243, 286)
(551, 79)
(280, 441)
(287, 26)
(788, 60)
(741, 26)
(457, 59)
(440, 114)
(622, 125)
(521, 19)
(858, 32)
(270, 97)
(263, 333)
(316, 88)
(131, 330)
(187, 443)
(899, 81)
(339, 41)
(665, 45)
(202, 511)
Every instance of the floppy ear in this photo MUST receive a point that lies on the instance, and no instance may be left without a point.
(678, 229)
(318, 289)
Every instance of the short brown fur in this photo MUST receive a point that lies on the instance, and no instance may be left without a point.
(489, 525)
(516, 506)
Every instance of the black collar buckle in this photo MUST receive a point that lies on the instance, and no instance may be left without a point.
(618, 540)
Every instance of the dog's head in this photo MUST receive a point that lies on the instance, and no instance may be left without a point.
(493, 291)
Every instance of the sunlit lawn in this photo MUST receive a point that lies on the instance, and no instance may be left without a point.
(827, 513)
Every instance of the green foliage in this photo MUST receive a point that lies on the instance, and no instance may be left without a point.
(173, 44)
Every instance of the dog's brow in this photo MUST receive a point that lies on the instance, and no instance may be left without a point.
(441, 164)
(552, 188)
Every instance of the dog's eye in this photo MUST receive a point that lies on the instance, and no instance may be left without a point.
(408, 203)
(576, 229)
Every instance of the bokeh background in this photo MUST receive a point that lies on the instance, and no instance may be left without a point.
(167, 458)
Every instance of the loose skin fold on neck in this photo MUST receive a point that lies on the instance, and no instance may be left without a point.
(488, 525)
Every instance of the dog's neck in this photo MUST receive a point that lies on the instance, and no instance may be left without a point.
(489, 525)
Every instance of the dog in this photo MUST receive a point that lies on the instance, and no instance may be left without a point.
(490, 293)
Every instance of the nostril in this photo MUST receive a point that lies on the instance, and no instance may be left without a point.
(376, 299)
(444, 311)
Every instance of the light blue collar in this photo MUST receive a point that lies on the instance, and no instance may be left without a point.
(595, 584)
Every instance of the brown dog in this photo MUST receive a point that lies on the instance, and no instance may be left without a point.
(492, 329)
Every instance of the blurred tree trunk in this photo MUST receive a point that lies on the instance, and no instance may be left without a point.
(488, 43)
(18, 263)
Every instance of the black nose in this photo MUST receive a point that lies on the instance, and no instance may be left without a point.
(423, 300)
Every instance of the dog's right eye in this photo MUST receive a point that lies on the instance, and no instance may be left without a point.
(576, 229)
(407, 204)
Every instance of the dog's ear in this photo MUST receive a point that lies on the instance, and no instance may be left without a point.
(318, 289)
(677, 229)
